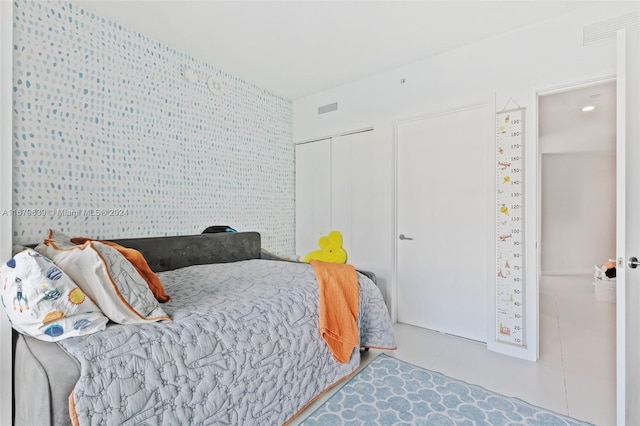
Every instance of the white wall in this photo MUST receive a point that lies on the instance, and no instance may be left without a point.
(491, 71)
(578, 212)
(592, 137)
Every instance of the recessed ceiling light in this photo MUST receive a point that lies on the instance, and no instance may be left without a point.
(595, 95)
(588, 108)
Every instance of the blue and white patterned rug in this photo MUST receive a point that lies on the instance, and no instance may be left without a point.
(392, 392)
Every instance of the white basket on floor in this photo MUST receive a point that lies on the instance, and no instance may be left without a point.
(605, 290)
(605, 286)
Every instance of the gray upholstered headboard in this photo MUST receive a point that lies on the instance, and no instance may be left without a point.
(168, 253)
(174, 252)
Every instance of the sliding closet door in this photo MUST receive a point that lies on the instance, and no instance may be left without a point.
(442, 223)
(336, 189)
(354, 197)
(313, 194)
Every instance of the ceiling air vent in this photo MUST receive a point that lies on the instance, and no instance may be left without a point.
(607, 29)
(327, 108)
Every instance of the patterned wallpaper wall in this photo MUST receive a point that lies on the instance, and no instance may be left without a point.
(111, 141)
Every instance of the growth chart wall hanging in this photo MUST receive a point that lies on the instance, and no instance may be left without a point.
(510, 295)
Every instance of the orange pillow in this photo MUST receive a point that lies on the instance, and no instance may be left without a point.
(139, 263)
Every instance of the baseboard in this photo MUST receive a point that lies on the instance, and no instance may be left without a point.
(568, 272)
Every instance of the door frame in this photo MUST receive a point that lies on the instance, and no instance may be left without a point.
(560, 88)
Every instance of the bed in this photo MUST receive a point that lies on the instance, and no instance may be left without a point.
(243, 346)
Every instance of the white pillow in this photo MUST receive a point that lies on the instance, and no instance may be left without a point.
(109, 279)
(42, 301)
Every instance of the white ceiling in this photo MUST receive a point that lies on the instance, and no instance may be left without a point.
(296, 48)
(561, 107)
(563, 123)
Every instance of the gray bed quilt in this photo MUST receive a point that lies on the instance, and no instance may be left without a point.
(243, 349)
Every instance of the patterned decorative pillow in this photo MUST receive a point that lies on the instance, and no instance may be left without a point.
(109, 279)
(42, 301)
(139, 263)
(63, 241)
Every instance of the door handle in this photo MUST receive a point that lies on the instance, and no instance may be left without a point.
(402, 237)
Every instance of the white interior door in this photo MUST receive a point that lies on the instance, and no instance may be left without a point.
(442, 222)
(313, 194)
(628, 228)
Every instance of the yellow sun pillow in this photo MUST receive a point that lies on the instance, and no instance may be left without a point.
(330, 249)
(43, 302)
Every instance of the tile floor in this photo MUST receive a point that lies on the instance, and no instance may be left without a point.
(575, 374)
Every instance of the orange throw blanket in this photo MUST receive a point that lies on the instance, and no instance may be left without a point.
(338, 307)
(139, 263)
